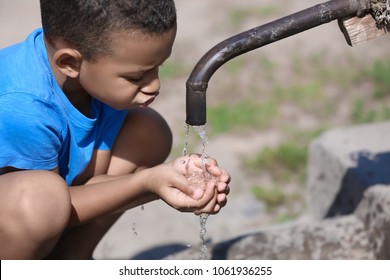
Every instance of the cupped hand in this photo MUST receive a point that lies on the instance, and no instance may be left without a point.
(205, 174)
(190, 185)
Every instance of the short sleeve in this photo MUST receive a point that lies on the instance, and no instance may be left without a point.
(110, 123)
(29, 133)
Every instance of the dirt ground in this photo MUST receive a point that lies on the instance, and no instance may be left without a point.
(154, 230)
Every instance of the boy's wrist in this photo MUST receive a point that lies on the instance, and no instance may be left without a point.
(145, 177)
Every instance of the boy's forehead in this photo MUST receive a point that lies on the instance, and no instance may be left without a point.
(137, 35)
(140, 48)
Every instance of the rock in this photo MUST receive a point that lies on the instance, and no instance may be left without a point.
(342, 164)
(365, 234)
(374, 212)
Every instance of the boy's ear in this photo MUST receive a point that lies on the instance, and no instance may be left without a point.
(68, 61)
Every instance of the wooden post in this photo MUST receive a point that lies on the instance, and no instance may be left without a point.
(357, 30)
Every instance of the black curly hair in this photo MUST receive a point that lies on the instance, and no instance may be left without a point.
(87, 24)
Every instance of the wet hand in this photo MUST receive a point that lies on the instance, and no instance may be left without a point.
(205, 175)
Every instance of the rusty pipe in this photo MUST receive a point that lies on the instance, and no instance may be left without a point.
(257, 37)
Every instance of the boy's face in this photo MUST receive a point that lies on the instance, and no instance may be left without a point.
(129, 75)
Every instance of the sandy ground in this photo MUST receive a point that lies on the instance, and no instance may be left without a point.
(154, 230)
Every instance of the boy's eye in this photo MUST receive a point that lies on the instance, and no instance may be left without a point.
(134, 79)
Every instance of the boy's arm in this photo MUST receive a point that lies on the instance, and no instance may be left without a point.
(104, 195)
(99, 190)
(107, 194)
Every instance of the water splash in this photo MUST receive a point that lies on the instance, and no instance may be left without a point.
(202, 133)
(187, 129)
(200, 176)
(203, 249)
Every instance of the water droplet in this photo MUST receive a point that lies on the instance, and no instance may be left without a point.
(134, 230)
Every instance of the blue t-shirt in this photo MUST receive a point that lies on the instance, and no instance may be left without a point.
(39, 128)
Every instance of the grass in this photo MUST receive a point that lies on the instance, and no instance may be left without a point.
(380, 74)
(274, 198)
(284, 162)
(235, 65)
(375, 109)
(361, 114)
(308, 94)
(303, 95)
(239, 15)
(172, 69)
(227, 117)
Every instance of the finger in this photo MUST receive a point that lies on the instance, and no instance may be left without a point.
(221, 198)
(201, 161)
(227, 191)
(223, 187)
(182, 184)
(222, 201)
(217, 208)
(214, 170)
(196, 158)
(209, 207)
(225, 177)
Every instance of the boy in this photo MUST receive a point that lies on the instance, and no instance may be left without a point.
(78, 143)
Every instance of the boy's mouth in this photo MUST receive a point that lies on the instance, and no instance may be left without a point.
(147, 103)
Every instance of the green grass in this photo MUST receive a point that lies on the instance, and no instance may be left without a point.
(237, 16)
(172, 69)
(275, 197)
(285, 162)
(235, 65)
(266, 64)
(227, 117)
(304, 95)
(362, 114)
(380, 73)
(272, 197)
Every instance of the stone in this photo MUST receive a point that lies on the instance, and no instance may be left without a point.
(343, 163)
(374, 212)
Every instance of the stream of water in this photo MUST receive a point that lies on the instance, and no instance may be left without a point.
(201, 132)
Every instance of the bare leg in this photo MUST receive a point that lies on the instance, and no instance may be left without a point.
(81, 241)
(34, 210)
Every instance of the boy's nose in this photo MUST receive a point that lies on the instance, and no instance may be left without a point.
(152, 84)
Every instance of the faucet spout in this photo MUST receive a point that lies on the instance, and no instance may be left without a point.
(254, 38)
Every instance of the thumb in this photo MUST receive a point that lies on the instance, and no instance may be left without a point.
(185, 186)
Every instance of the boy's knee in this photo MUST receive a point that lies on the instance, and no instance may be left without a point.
(35, 207)
(159, 132)
(150, 134)
(42, 204)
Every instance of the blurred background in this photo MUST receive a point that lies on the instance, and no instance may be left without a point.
(264, 108)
